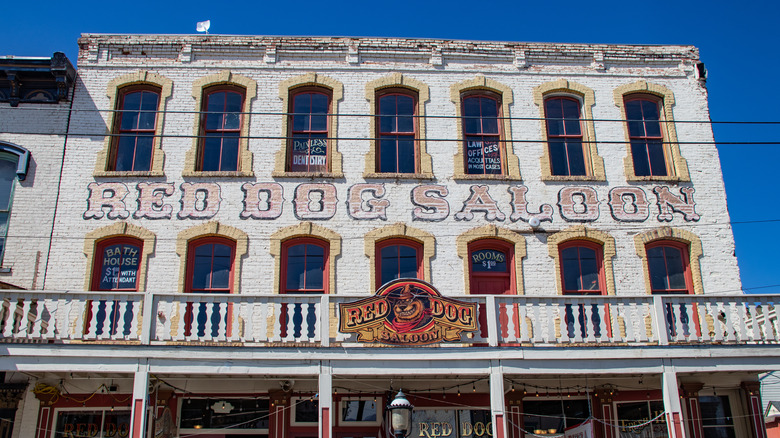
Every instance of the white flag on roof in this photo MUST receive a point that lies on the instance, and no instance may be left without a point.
(203, 26)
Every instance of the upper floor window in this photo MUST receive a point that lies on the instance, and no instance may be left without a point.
(398, 258)
(221, 123)
(582, 268)
(117, 264)
(304, 266)
(210, 265)
(490, 267)
(646, 136)
(135, 125)
(8, 176)
(482, 134)
(397, 132)
(668, 264)
(309, 126)
(564, 136)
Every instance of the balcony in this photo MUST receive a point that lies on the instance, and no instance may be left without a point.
(308, 320)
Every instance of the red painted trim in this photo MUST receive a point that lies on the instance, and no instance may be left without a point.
(757, 417)
(499, 245)
(138, 417)
(686, 260)
(674, 424)
(498, 426)
(694, 418)
(134, 131)
(97, 256)
(191, 261)
(207, 94)
(599, 249)
(43, 422)
(397, 91)
(606, 410)
(325, 433)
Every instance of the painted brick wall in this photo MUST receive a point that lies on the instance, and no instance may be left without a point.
(439, 64)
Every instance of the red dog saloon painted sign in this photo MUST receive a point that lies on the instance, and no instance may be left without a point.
(407, 312)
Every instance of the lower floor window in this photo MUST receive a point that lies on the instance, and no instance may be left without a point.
(642, 419)
(93, 422)
(240, 414)
(716, 418)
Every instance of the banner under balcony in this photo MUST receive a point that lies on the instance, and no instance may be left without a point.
(407, 312)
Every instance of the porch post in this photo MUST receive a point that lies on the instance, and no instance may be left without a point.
(672, 404)
(497, 399)
(140, 400)
(755, 408)
(325, 399)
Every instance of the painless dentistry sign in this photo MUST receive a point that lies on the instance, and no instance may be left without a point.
(407, 312)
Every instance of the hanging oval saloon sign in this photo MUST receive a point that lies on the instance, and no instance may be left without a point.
(407, 312)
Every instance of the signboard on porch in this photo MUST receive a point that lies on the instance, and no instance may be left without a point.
(407, 312)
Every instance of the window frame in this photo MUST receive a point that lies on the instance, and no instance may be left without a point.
(305, 240)
(676, 165)
(192, 245)
(566, 138)
(291, 132)
(599, 256)
(496, 244)
(119, 133)
(686, 265)
(499, 136)
(672, 236)
(397, 241)
(204, 132)
(414, 134)
(647, 139)
(100, 246)
(14, 160)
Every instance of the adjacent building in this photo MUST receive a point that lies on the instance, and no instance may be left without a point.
(270, 236)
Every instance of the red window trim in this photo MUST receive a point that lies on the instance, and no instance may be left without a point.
(658, 101)
(499, 137)
(391, 242)
(98, 259)
(565, 137)
(290, 125)
(324, 244)
(117, 128)
(686, 259)
(191, 261)
(203, 132)
(397, 91)
(599, 248)
(497, 244)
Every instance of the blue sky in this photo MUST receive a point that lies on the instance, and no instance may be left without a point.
(737, 41)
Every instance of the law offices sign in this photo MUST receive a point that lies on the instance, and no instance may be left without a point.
(407, 312)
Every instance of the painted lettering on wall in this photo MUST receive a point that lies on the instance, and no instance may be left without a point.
(366, 201)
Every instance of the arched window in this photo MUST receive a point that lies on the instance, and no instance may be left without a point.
(397, 131)
(305, 266)
(582, 270)
(491, 267)
(667, 261)
(398, 258)
(117, 261)
(221, 123)
(134, 127)
(210, 265)
(309, 127)
(643, 115)
(564, 136)
(482, 134)
(9, 172)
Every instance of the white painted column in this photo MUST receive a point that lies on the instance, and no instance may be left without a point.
(26, 420)
(140, 401)
(497, 399)
(325, 399)
(672, 405)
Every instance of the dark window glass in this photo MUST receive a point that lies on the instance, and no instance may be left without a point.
(221, 131)
(580, 265)
(488, 260)
(480, 128)
(211, 268)
(398, 261)
(667, 269)
(564, 136)
(7, 182)
(305, 268)
(242, 414)
(309, 147)
(397, 134)
(136, 123)
(716, 417)
(644, 131)
(358, 410)
(633, 418)
(118, 266)
(554, 414)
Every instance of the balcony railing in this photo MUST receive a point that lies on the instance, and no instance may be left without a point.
(295, 320)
